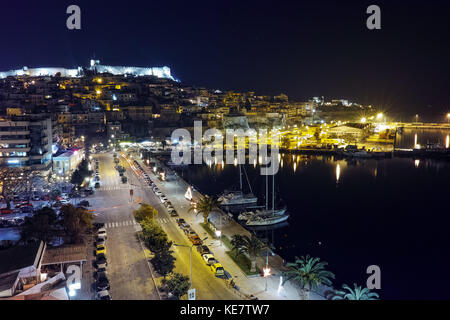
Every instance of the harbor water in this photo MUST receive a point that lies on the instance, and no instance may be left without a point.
(355, 213)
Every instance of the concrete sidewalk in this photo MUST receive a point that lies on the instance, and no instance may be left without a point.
(248, 285)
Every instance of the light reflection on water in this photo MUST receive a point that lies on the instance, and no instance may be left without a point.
(390, 212)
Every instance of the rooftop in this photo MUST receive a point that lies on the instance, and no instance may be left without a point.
(18, 257)
(65, 254)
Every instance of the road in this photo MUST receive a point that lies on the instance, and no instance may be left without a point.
(207, 285)
(128, 269)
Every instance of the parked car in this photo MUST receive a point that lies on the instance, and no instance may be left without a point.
(181, 221)
(217, 269)
(101, 266)
(173, 213)
(84, 203)
(5, 211)
(97, 185)
(102, 284)
(209, 259)
(100, 242)
(100, 273)
(99, 225)
(101, 233)
(103, 295)
(163, 199)
(195, 239)
(203, 249)
(189, 232)
(101, 249)
(101, 260)
(185, 227)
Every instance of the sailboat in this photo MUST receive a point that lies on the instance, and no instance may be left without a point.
(268, 216)
(231, 198)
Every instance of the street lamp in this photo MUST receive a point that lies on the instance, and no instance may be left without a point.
(219, 235)
(190, 259)
(448, 117)
(266, 271)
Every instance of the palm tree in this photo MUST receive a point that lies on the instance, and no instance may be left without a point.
(237, 242)
(205, 206)
(251, 246)
(308, 273)
(357, 293)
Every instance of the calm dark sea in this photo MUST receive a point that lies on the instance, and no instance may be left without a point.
(393, 213)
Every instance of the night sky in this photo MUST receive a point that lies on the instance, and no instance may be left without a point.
(302, 48)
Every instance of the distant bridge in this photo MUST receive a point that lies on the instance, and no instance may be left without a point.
(419, 125)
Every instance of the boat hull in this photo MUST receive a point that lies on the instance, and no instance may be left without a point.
(267, 221)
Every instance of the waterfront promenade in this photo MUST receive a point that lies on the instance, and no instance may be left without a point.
(248, 285)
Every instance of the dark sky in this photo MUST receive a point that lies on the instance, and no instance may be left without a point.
(302, 48)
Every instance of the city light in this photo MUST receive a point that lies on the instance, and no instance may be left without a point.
(363, 120)
(188, 194)
(266, 272)
(379, 116)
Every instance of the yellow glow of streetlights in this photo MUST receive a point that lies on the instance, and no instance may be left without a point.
(266, 271)
(98, 92)
(363, 120)
(379, 116)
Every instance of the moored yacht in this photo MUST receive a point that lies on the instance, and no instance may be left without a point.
(266, 220)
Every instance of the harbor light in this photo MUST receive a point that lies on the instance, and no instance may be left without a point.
(338, 172)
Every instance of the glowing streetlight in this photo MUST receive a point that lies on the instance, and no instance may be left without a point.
(266, 274)
(363, 120)
(448, 117)
(380, 116)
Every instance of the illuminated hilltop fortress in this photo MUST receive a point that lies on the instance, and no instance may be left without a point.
(160, 72)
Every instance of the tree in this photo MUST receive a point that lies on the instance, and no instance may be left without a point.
(145, 211)
(76, 222)
(16, 180)
(177, 284)
(251, 246)
(40, 227)
(205, 206)
(164, 263)
(357, 293)
(77, 178)
(308, 273)
(237, 242)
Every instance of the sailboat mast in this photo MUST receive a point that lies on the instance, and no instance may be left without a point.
(267, 192)
(273, 193)
(240, 177)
